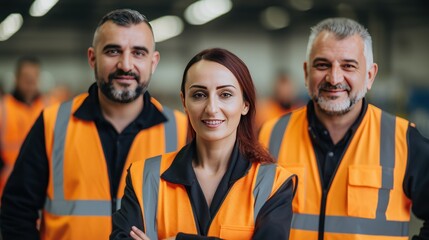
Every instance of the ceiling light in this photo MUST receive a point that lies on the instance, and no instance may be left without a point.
(166, 27)
(41, 7)
(275, 18)
(204, 11)
(302, 5)
(345, 10)
(10, 26)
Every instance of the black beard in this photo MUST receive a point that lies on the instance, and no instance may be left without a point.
(124, 96)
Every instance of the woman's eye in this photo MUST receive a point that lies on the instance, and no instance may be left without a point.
(226, 95)
(198, 95)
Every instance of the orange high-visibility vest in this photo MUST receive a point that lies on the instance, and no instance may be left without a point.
(78, 203)
(16, 120)
(365, 199)
(269, 109)
(167, 210)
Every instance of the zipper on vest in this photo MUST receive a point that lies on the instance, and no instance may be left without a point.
(219, 206)
(322, 214)
(325, 192)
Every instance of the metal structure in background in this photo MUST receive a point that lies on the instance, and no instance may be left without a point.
(70, 22)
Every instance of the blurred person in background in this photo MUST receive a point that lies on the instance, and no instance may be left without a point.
(360, 169)
(284, 99)
(60, 93)
(223, 184)
(73, 162)
(18, 111)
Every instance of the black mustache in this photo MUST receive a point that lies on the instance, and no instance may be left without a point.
(119, 73)
(328, 86)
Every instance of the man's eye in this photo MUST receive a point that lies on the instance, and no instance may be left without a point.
(349, 66)
(140, 53)
(112, 51)
(321, 66)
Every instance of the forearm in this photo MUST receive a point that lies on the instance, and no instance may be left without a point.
(416, 181)
(129, 215)
(185, 236)
(275, 217)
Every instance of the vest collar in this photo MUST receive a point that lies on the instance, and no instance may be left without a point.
(90, 110)
(181, 171)
(317, 127)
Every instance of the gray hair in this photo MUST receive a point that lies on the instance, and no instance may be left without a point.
(122, 17)
(342, 28)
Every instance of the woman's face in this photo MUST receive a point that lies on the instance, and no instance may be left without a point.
(213, 101)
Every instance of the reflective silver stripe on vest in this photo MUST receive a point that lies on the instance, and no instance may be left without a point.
(277, 135)
(263, 186)
(60, 131)
(387, 162)
(170, 130)
(355, 225)
(350, 225)
(118, 203)
(151, 175)
(59, 206)
(78, 207)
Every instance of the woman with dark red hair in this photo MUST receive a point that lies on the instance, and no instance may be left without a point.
(221, 185)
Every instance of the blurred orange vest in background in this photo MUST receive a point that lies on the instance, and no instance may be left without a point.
(16, 120)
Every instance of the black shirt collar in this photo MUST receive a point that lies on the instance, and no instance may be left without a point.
(90, 110)
(317, 128)
(182, 172)
(20, 97)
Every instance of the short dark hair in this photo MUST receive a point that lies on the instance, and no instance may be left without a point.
(123, 17)
(26, 60)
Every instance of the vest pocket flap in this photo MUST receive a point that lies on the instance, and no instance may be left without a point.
(366, 176)
(236, 232)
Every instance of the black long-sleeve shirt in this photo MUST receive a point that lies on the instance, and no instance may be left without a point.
(273, 220)
(416, 180)
(25, 191)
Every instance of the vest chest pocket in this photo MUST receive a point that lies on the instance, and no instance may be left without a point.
(236, 232)
(364, 184)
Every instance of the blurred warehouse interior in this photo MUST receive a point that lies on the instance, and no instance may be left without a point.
(268, 35)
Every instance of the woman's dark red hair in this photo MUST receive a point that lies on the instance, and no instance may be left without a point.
(246, 136)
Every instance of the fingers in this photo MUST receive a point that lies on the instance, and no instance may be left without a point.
(138, 234)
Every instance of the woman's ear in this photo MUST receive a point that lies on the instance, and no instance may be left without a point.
(245, 109)
(182, 98)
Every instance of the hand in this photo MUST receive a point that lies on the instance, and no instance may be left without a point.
(138, 234)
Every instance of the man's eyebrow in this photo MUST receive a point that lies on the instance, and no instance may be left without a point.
(320, 59)
(351, 61)
(141, 48)
(110, 46)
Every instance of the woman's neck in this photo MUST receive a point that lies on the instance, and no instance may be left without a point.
(213, 156)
